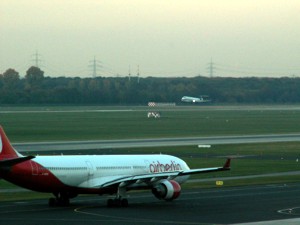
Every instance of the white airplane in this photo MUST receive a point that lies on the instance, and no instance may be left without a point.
(68, 176)
(201, 99)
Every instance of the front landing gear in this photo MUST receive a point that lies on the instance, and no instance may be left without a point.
(117, 202)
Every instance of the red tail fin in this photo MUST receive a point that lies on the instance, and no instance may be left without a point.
(6, 149)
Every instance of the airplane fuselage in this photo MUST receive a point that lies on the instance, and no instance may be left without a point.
(194, 99)
(86, 174)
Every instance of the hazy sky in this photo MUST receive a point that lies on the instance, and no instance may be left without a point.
(163, 37)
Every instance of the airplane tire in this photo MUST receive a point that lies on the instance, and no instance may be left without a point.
(117, 202)
(58, 202)
(124, 202)
(65, 202)
(52, 202)
(110, 203)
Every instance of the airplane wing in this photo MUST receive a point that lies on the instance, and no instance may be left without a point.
(14, 161)
(141, 178)
(154, 177)
(208, 170)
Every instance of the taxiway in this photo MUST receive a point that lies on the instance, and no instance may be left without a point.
(154, 142)
(225, 205)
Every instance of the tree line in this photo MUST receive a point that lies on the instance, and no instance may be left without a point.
(35, 88)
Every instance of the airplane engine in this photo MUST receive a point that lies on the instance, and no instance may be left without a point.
(167, 190)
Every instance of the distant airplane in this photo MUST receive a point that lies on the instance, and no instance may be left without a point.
(201, 99)
(68, 176)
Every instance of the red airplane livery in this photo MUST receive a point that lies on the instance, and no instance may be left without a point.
(68, 176)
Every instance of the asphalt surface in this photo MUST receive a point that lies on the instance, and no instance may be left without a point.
(195, 206)
(154, 142)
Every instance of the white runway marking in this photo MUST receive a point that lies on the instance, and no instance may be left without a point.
(290, 211)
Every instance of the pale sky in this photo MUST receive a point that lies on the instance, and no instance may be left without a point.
(164, 37)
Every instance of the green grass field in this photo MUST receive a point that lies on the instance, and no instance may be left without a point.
(22, 126)
(83, 125)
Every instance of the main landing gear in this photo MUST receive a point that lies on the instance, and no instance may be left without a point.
(117, 202)
(60, 199)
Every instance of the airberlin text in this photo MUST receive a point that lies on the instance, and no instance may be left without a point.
(157, 167)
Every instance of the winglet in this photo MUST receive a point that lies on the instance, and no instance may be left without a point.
(227, 164)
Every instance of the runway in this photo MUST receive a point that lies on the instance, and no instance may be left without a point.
(225, 205)
(154, 142)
